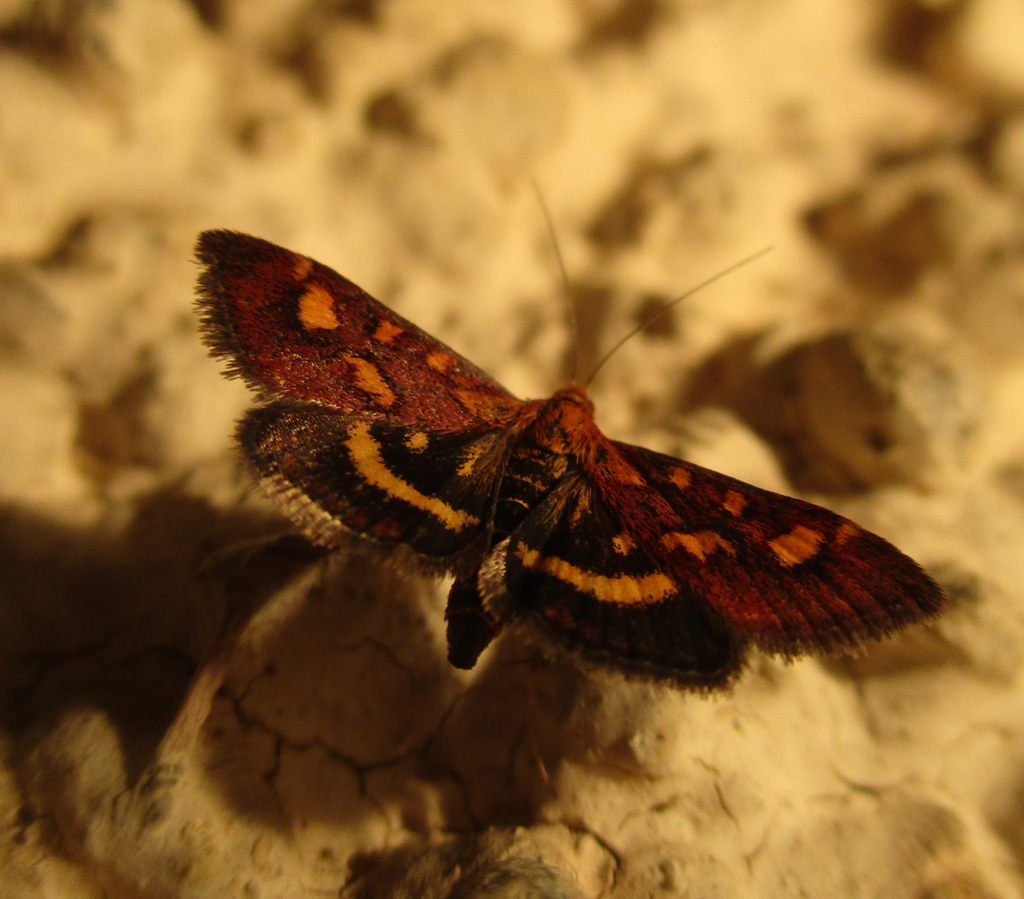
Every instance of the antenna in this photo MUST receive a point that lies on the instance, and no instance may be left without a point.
(665, 311)
(574, 323)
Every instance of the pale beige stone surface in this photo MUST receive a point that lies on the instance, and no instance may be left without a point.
(872, 361)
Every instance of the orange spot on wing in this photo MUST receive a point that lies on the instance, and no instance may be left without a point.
(386, 332)
(440, 361)
(369, 379)
(316, 309)
(799, 545)
(680, 477)
(846, 532)
(303, 267)
(735, 503)
(472, 456)
(417, 441)
(700, 544)
(623, 544)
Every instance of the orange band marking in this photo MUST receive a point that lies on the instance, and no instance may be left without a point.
(365, 454)
(622, 589)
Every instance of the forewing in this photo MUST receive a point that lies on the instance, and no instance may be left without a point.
(432, 492)
(571, 572)
(786, 575)
(294, 329)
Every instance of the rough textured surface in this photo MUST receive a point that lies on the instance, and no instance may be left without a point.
(872, 361)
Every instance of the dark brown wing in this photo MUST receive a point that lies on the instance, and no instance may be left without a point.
(337, 474)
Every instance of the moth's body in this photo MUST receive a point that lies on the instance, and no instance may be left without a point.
(637, 560)
(548, 439)
(553, 435)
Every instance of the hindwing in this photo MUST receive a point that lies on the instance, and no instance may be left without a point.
(573, 572)
(433, 492)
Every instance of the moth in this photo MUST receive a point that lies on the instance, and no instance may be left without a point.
(635, 560)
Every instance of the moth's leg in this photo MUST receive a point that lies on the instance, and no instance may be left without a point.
(469, 629)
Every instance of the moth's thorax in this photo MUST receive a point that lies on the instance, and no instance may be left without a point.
(565, 423)
(556, 431)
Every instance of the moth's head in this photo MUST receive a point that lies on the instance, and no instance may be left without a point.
(572, 395)
(565, 422)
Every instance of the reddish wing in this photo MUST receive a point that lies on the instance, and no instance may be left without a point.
(662, 567)
(785, 574)
(292, 328)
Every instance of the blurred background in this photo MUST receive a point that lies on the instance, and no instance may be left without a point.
(871, 361)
